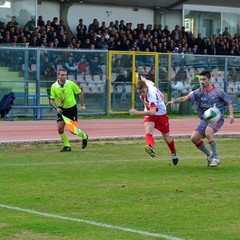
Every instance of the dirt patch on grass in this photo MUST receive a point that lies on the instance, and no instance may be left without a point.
(26, 235)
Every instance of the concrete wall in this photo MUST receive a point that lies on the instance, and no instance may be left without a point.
(49, 10)
(107, 13)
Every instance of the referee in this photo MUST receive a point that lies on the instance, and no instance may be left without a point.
(62, 99)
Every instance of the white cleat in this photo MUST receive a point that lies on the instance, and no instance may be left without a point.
(209, 159)
(215, 162)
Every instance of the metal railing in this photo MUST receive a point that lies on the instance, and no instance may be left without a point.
(110, 76)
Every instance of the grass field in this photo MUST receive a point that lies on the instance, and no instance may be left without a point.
(115, 191)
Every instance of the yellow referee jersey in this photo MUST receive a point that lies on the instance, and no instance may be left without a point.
(64, 96)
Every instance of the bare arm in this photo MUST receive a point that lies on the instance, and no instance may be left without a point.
(54, 105)
(178, 100)
(230, 111)
(150, 112)
(81, 99)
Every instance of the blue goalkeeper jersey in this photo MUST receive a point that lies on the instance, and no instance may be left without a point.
(208, 98)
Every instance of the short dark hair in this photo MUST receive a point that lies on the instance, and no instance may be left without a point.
(62, 70)
(206, 74)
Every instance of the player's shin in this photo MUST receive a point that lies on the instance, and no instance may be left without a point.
(81, 134)
(201, 146)
(65, 140)
(149, 139)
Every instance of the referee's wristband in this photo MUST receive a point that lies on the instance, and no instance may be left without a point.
(83, 105)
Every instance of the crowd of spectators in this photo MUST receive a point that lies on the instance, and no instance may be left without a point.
(113, 36)
(117, 36)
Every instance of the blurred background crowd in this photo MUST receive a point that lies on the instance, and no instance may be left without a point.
(116, 35)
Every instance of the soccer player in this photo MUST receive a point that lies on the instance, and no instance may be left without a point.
(207, 96)
(155, 116)
(62, 99)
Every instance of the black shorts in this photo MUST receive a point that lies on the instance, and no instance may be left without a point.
(71, 113)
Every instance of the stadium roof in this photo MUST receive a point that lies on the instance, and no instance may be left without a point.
(164, 5)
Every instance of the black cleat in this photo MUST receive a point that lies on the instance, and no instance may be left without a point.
(175, 159)
(85, 142)
(65, 149)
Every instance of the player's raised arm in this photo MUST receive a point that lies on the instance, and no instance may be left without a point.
(178, 100)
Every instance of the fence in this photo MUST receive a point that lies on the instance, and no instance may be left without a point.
(107, 78)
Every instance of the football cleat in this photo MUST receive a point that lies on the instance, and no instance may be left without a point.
(150, 150)
(66, 149)
(209, 159)
(85, 142)
(215, 162)
(174, 158)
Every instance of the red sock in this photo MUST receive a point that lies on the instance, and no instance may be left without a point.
(171, 146)
(199, 144)
(150, 139)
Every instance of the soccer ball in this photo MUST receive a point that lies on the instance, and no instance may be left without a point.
(212, 114)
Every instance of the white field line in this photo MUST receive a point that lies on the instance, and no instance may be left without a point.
(66, 163)
(101, 161)
(157, 235)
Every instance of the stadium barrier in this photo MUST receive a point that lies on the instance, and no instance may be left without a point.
(37, 111)
(32, 106)
(109, 84)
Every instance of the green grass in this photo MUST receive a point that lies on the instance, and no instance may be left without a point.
(117, 183)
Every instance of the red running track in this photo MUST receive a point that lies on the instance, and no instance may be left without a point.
(46, 131)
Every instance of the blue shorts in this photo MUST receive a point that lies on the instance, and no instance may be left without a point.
(202, 125)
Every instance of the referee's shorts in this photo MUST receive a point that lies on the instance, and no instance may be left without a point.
(71, 113)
